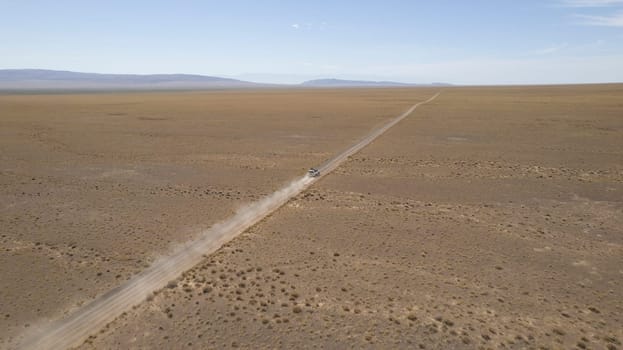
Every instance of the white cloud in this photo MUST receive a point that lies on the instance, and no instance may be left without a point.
(550, 50)
(310, 26)
(615, 20)
(591, 3)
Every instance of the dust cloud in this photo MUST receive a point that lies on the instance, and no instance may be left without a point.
(77, 327)
(73, 330)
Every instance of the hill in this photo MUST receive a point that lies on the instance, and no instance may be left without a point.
(32, 79)
(361, 83)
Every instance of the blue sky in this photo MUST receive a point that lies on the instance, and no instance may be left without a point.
(463, 42)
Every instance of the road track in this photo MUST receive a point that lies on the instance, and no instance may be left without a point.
(79, 325)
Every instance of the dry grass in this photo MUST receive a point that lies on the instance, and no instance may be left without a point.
(95, 186)
(492, 217)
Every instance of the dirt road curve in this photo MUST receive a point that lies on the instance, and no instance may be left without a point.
(79, 325)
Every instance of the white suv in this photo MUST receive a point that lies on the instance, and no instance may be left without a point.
(313, 172)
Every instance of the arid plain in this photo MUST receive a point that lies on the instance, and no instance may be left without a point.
(489, 218)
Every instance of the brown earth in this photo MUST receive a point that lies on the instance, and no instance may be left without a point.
(492, 217)
(94, 187)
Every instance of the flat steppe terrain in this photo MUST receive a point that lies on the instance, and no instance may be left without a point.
(93, 187)
(491, 217)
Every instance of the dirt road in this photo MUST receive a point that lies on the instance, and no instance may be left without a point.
(79, 325)
(334, 162)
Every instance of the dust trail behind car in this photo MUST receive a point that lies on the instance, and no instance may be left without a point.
(78, 326)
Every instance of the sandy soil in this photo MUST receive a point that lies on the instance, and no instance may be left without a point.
(490, 218)
(95, 187)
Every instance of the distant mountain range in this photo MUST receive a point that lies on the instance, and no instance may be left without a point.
(42, 79)
(27, 79)
(361, 83)
(350, 83)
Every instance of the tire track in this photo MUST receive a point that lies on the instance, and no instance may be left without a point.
(78, 326)
(334, 162)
